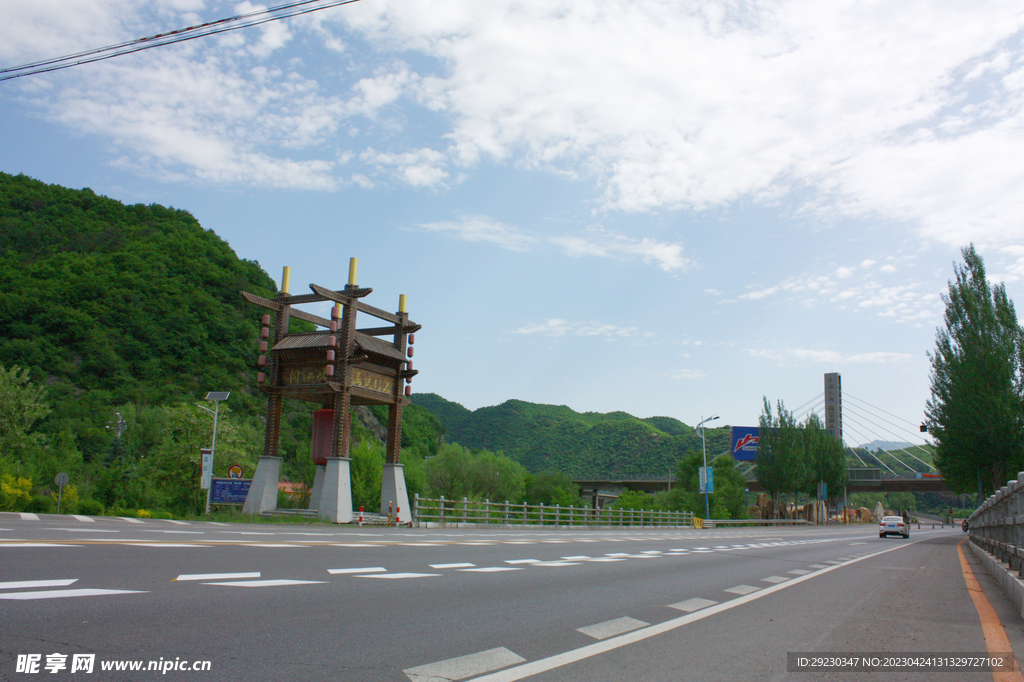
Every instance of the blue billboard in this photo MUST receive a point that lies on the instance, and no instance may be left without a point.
(744, 443)
(229, 490)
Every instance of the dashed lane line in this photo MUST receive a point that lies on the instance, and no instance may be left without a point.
(352, 571)
(461, 667)
(267, 583)
(611, 628)
(63, 594)
(216, 576)
(25, 584)
(691, 605)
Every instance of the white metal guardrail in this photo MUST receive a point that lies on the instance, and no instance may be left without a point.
(997, 526)
(427, 512)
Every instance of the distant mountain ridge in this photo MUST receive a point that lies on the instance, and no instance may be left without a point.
(583, 445)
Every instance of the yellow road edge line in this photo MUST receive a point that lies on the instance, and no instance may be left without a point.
(996, 640)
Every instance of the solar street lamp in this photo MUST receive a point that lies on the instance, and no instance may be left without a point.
(216, 397)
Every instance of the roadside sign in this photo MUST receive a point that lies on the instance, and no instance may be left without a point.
(204, 482)
(229, 490)
(707, 479)
(61, 479)
(235, 471)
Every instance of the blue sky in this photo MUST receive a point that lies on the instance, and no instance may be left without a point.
(664, 208)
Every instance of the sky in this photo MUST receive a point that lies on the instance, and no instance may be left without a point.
(664, 208)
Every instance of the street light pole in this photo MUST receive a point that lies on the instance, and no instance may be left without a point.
(216, 397)
(703, 445)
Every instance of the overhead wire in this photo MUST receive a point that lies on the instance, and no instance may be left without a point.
(890, 450)
(234, 23)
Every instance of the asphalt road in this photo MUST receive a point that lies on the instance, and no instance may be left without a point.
(284, 602)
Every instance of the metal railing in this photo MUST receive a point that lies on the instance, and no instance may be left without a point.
(997, 526)
(442, 512)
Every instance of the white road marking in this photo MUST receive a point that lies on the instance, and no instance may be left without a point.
(522, 561)
(819, 566)
(464, 666)
(774, 579)
(129, 519)
(28, 516)
(174, 532)
(87, 530)
(83, 519)
(163, 544)
(273, 544)
(344, 571)
(490, 569)
(452, 565)
(833, 562)
(555, 563)
(742, 589)
(400, 576)
(21, 585)
(35, 544)
(217, 576)
(610, 628)
(351, 544)
(576, 558)
(62, 594)
(691, 605)
(556, 661)
(268, 583)
(798, 571)
(179, 523)
(420, 544)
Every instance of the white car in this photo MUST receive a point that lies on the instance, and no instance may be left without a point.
(893, 525)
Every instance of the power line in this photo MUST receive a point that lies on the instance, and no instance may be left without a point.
(234, 23)
(899, 448)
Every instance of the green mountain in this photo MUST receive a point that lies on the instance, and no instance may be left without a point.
(582, 445)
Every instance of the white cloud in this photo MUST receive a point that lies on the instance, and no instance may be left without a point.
(556, 327)
(666, 255)
(828, 356)
(419, 168)
(484, 229)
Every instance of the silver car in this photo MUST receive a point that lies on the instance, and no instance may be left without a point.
(893, 525)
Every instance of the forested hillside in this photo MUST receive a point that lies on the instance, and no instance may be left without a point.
(582, 445)
(115, 321)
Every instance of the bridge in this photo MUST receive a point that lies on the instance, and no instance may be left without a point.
(861, 479)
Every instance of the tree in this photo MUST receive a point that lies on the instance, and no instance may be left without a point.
(781, 466)
(826, 458)
(976, 411)
(22, 404)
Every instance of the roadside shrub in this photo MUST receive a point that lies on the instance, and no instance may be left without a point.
(90, 507)
(40, 504)
(15, 493)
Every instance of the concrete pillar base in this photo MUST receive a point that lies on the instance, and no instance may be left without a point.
(336, 495)
(393, 492)
(318, 487)
(262, 495)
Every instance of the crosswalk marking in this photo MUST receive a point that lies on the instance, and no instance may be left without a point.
(774, 579)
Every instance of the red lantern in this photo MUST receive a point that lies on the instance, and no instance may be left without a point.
(330, 355)
(261, 378)
(264, 333)
(408, 390)
(263, 346)
(266, 320)
(412, 339)
(262, 361)
(408, 351)
(329, 370)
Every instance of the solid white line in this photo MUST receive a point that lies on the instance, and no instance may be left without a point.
(610, 628)
(37, 583)
(273, 544)
(452, 565)
(269, 583)
(343, 571)
(61, 594)
(559, 660)
(217, 576)
(464, 666)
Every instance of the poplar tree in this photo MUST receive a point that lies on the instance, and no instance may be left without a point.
(780, 463)
(976, 410)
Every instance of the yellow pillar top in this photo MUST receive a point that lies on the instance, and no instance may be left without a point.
(353, 266)
(401, 303)
(286, 278)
